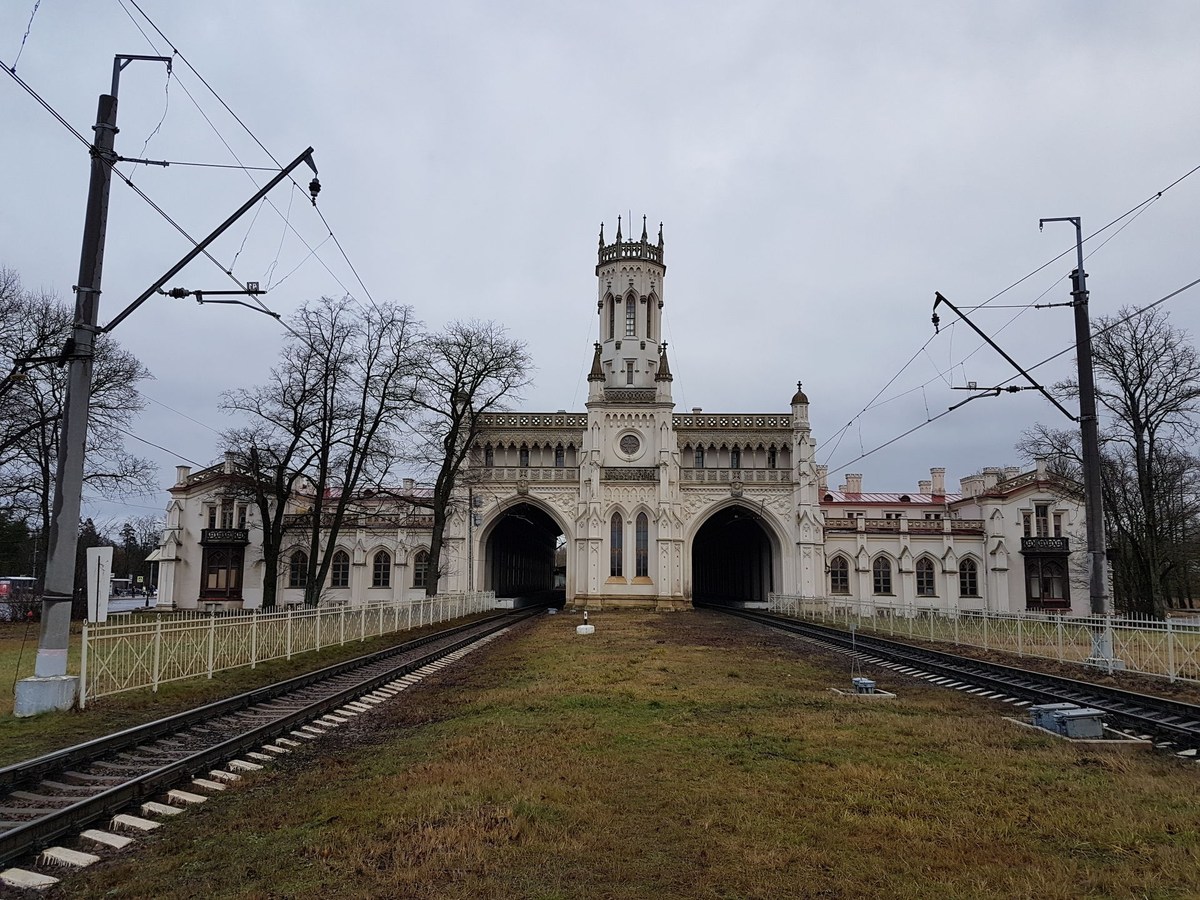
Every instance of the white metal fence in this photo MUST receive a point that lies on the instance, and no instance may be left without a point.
(1150, 646)
(146, 652)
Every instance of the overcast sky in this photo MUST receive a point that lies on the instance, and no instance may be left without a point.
(821, 169)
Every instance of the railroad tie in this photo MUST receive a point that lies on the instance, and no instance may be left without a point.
(134, 823)
(185, 797)
(62, 856)
(240, 765)
(154, 808)
(208, 784)
(107, 839)
(26, 880)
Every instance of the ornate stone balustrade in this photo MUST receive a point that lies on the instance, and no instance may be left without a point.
(630, 250)
(529, 473)
(533, 420)
(746, 476)
(914, 526)
(728, 420)
(966, 526)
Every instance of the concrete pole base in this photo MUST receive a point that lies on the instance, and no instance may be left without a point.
(39, 694)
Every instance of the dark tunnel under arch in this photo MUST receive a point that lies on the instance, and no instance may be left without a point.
(732, 558)
(521, 551)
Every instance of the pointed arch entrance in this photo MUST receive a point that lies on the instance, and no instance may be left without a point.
(524, 552)
(734, 558)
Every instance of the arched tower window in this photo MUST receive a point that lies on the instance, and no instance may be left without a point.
(771, 457)
(839, 575)
(524, 457)
(649, 317)
(298, 570)
(881, 573)
(643, 547)
(616, 543)
(735, 458)
(612, 316)
(631, 316)
(381, 570)
(339, 572)
(968, 578)
(420, 569)
(489, 455)
(926, 581)
(560, 456)
(699, 460)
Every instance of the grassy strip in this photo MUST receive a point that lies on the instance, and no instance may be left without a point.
(22, 739)
(680, 756)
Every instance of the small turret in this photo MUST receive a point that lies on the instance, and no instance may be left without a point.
(799, 396)
(664, 370)
(597, 373)
(800, 409)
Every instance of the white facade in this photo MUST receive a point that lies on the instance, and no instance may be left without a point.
(657, 508)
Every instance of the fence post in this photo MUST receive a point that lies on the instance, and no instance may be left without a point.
(1170, 649)
(1108, 627)
(253, 638)
(212, 634)
(956, 613)
(1020, 636)
(985, 629)
(342, 627)
(1059, 630)
(409, 626)
(157, 652)
(83, 669)
(289, 632)
(319, 616)
(911, 614)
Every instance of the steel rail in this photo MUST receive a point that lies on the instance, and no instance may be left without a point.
(1168, 719)
(39, 832)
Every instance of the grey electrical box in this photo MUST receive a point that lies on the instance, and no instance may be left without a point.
(1080, 723)
(1043, 716)
(864, 686)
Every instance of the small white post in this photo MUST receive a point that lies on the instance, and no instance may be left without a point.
(253, 638)
(289, 632)
(316, 611)
(157, 653)
(1059, 630)
(1170, 650)
(985, 629)
(83, 669)
(1020, 636)
(342, 626)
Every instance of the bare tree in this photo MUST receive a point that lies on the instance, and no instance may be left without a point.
(469, 368)
(328, 422)
(1148, 380)
(37, 324)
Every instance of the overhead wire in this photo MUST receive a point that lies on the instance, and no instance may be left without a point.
(25, 36)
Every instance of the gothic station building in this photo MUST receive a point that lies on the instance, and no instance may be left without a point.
(633, 504)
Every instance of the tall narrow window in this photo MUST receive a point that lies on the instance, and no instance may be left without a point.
(771, 458)
(226, 513)
(882, 576)
(629, 371)
(926, 581)
(1058, 524)
(616, 542)
(631, 316)
(420, 569)
(1026, 524)
(699, 458)
(298, 570)
(524, 457)
(241, 516)
(649, 306)
(339, 571)
(612, 316)
(839, 575)
(968, 578)
(381, 570)
(489, 456)
(212, 517)
(643, 547)
(560, 456)
(1041, 515)
(735, 458)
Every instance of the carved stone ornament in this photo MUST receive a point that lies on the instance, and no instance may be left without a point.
(736, 488)
(630, 444)
(523, 487)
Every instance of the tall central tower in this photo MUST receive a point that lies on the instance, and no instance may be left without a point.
(630, 357)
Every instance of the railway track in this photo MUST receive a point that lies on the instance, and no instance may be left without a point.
(1172, 724)
(45, 799)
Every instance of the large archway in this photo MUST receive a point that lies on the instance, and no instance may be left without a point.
(525, 553)
(733, 558)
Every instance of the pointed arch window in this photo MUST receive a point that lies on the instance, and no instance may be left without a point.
(735, 458)
(524, 457)
(881, 576)
(489, 455)
(643, 546)
(616, 544)
(298, 569)
(631, 316)
(612, 316)
(649, 316)
(839, 575)
(968, 578)
(926, 579)
(771, 457)
(699, 460)
(560, 456)
(381, 570)
(421, 569)
(339, 572)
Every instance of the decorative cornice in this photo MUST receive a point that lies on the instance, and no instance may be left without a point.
(634, 473)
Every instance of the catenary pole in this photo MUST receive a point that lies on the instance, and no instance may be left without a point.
(1089, 430)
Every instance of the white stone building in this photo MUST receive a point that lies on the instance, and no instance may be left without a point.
(656, 508)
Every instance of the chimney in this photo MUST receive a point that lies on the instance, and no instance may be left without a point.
(991, 476)
(822, 478)
(409, 485)
(1041, 469)
(853, 484)
(228, 467)
(1011, 472)
(938, 478)
(181, 475)
(696, 409)
(972, 486)
(924, 487)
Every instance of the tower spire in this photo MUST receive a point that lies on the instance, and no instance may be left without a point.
(601, 235)
(597, 373)
(664, 370)
(644, 237)
(618, 229)
(660, 238)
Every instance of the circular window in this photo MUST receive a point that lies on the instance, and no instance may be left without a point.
(630, 444)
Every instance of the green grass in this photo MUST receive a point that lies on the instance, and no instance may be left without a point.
(680, 756)
(22, 739)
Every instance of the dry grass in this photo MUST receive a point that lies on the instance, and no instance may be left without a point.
(22, 739)
(680, 756)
